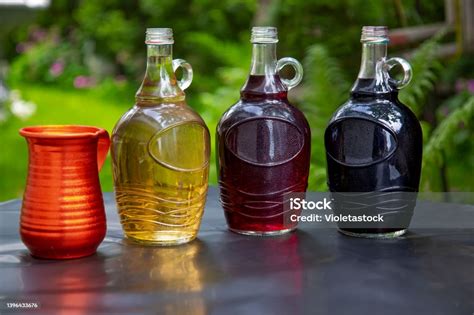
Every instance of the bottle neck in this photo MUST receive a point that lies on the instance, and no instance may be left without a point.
(368, 80)
(263, 79)
(371, 54)
(264, 59)
(159, 84)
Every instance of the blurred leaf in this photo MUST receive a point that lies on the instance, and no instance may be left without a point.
(442, 138)
(426, 70)
(325, 89)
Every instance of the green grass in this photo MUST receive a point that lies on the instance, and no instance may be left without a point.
(81, 107)
(54, 106)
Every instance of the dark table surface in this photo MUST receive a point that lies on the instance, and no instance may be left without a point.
(313, 271)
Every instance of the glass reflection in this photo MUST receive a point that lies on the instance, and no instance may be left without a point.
(180, 271)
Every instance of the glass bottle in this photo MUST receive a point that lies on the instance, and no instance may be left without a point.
(374, 144)
(263, 145)
(160, 153)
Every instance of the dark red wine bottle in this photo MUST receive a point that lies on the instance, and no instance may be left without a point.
(374, 146)
(263, 145)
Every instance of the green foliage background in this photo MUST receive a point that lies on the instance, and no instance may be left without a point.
(103, 40)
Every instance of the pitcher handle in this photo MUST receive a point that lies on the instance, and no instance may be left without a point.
(103, 144)
(187, 78)
(407, 72)
(288, 61)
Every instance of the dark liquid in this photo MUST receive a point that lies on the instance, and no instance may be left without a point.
(263, 150)
(373, 144)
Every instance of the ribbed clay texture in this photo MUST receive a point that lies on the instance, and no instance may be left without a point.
(63, 213)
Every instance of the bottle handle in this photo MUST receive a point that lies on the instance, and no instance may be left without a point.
(187, 78)
(288, 61)
(407, 72)
(103, 144)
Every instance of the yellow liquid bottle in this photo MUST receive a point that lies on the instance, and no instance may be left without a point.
(160, 153)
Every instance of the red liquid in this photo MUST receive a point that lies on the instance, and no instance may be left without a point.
(263, 145)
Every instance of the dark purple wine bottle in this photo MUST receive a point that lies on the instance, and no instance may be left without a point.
(263, 145)
(374, 146)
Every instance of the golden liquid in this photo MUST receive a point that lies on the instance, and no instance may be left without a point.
(161, 165)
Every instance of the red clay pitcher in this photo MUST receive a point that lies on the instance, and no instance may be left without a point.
(63, 211)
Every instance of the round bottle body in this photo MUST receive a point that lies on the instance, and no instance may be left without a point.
(263, 147)
(374, 151)
(161, 164)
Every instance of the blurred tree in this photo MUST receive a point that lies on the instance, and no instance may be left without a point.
(103, 41)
